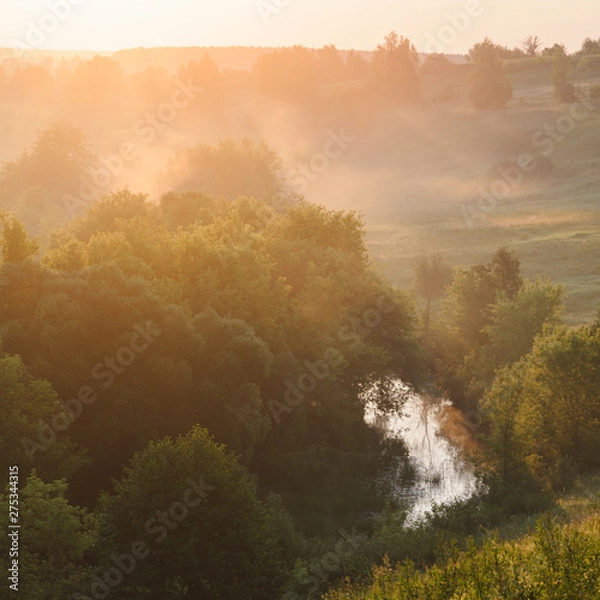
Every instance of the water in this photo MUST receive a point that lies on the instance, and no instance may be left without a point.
(443, 474)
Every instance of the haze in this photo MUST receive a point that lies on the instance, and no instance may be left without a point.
(360, 24)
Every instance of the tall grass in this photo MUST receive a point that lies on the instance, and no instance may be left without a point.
(556, 562)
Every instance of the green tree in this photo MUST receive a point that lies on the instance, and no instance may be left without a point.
(16, 244)
(556, 50)
(490, 86)
(27, 433)
(564, 90)
(216, 539)
(500, 407)
(207, 169)
(590, 47)
(505, 271)
(58, 542)
(559, 420)
(465, 357)
(394, 70)
(516, 323)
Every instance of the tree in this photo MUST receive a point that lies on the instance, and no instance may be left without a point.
(490, 87)
(32, 82)
(467, 365)
(16, 245)
(531, 45)
(206, 74)
(357, 67)
(151, 86)
(470, 296)
(590, 47)
(500, 407)
(564, 90)
(57, 160)
(58, 543)
(430, 276)
(505, 271)
(207, 169)
(435, 60)
(394, 68)
(287, 74)
(559, 420)
(329, 64)
(31, 429)
(556, 50)
(96, 86)
(198, 514)
(516, 322)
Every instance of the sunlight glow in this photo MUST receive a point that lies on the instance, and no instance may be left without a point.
(361, 24)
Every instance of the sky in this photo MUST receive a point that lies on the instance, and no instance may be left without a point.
(450, 26)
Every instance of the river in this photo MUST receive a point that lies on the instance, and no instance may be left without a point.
(443, 474)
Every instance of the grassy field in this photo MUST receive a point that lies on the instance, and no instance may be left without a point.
(418, 178)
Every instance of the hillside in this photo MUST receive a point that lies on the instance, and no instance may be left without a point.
(558, 558)
(418, 180)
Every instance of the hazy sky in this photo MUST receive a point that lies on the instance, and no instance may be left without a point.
(361, 24)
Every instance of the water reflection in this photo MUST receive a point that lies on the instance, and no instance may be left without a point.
(442, 474)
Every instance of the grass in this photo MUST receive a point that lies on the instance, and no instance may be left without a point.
(551, 556)
(434, 164)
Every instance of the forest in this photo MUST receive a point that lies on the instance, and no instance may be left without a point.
(211, 270)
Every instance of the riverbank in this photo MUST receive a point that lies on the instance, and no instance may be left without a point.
(460, 429)
(558, 557)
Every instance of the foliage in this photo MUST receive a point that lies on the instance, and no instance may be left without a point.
(287, 74)
(544, 412)
(16, 245)
(28, 406)
(531, 45)
(431, 275)
(57, 160)
(243, 298)
(564, 90)
(394, 68)
(516, 323)
(208, 169)
(219, 523)
(58, 542)
(590, 47)
(556, 562)
(490, 87)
